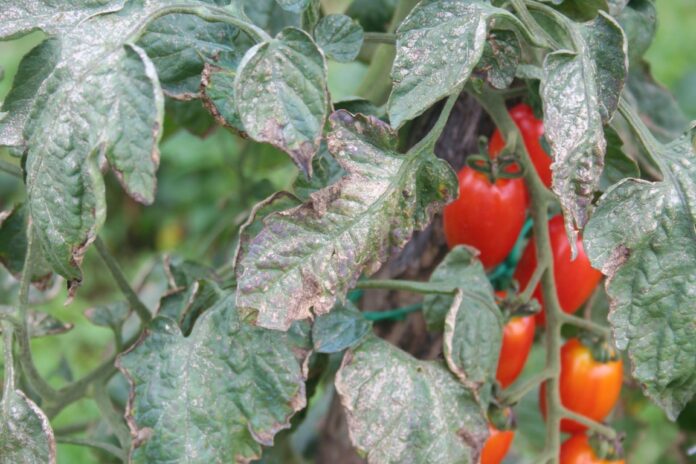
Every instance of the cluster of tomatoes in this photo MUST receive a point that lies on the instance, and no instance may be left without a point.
(489, 215)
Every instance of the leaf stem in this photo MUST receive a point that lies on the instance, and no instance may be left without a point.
(379, 38)
(586, 324)
(589, 423)
(9, 380)
(517, 391)
(397, 313)
(10, 169)
(109, 448)
(405, 285)
(133, 299)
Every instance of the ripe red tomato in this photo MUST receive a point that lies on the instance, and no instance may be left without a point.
(518, 336)
(496, 446)
(532, 130)
(577, 450)
(486, 216)
(588, 387)
(575, 280)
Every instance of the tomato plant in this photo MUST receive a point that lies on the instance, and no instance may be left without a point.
(490, 224)
(532, 130)
(297, 160)
(588, 386)
(577, 450)
(575, 278)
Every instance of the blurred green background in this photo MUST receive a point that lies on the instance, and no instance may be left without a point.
(205, 188)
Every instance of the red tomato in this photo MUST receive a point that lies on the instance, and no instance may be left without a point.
(575, 280)
(577, 450)
(532, 130)
(588, 387)
(496, 446)
(518, 336)
(486, 216)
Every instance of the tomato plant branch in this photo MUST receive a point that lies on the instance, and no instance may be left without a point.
(133, 299)
(586, 324)
(380, 38)
(526, 294)
(404, 285)
(517, 391)
(540, 200)
(107, 447)
(10, 169)
(589, 423)
(9, 382)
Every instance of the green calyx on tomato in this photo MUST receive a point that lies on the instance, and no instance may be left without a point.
(575, 279)
(578, 450)
(588, 387)
(532, 130)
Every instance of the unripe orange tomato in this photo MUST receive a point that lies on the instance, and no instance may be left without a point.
(518, 337)
(577, 450)
(588, 387)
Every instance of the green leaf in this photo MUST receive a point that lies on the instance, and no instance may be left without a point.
(373, 15)
(639, 22)
(180, 46)
(34, 68)
(500, 58)
(111, 315)
(400, 409)
(359, 105)
(26, 436)
(13, 247)
(580, 92)
(583, 10)
(339, 37)
(214, 396)
(656, 105)
(642, 237)
(294, 6)
(617, 165)
(342, 328)
(473, 336)
(281, 94)
(459, 269)
(23, 16)
(308, 256)
(437, 47)
(269, 15)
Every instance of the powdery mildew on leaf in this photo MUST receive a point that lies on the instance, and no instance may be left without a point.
(580, 92)
(212, 397)
(281, 94)
(402, 410)
(306, 257)
(438, 45)
(642, 237)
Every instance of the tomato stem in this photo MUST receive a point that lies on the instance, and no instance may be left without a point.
(526, 295)
(404, 285)
(379, 38)
(586, 324)
(589, 423)
(517, 391)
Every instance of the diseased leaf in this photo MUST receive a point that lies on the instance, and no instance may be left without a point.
(180, 45)
(501, 55)
(473, 336)
(459, 269)
(13, 246)
(111, 315)
(359, 105)
(217, 92)
(39, 324)
(23, 16)
(400, 409)
(306, 257)
(222, 392)
(339, 37)
(294, 6)
(281, 94)
(26, 436)
(580, 92)
(34, 68)
(342, 328)
(639, 22)
(642, 237)
(616, 6)
(582, 10)
(617, 165)
(437, 47)
(326, 171)
(184, 306)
